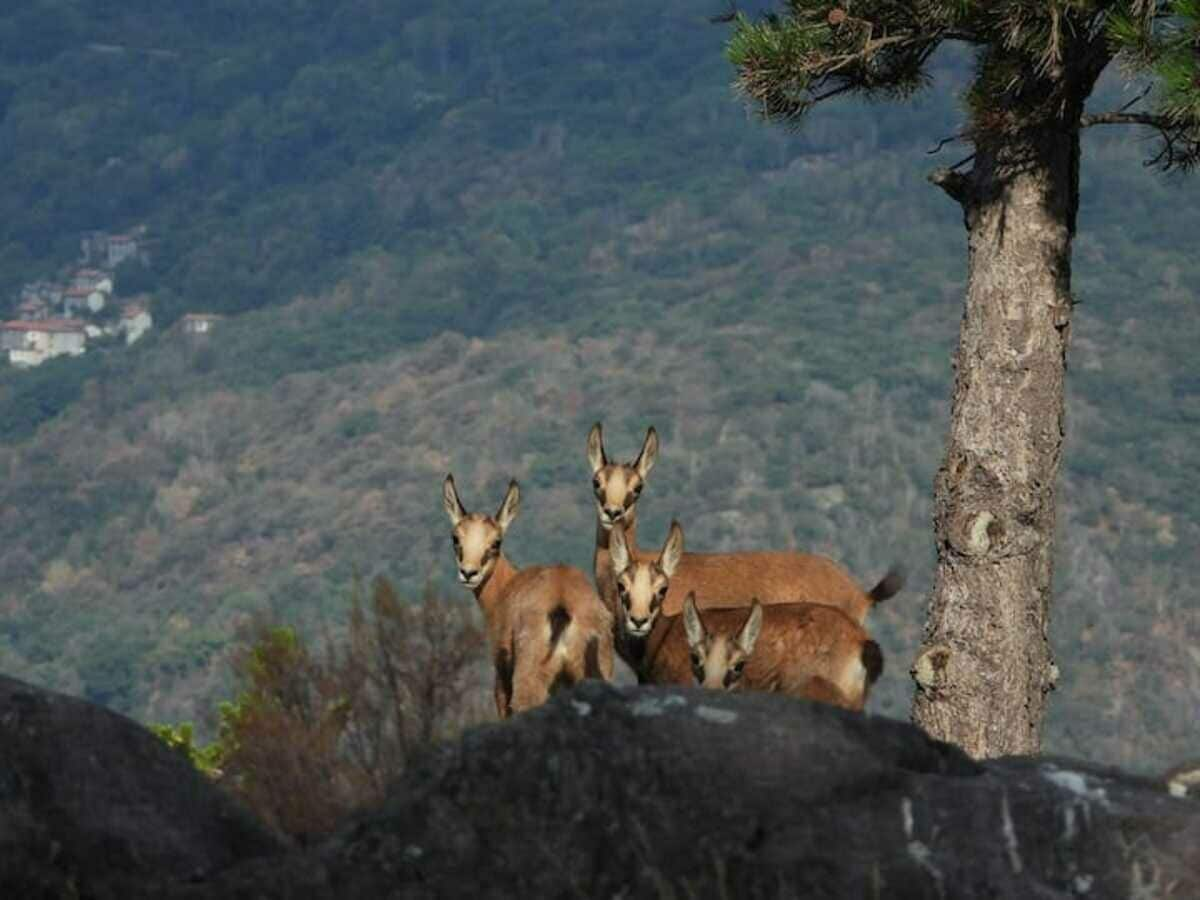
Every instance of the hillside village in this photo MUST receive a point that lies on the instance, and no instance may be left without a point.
(56, 318)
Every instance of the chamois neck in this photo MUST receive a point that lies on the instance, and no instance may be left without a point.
(489, 593)
(655, 639)
(604, 535)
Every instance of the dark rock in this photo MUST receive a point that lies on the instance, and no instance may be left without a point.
(94, 805)
(676, 793)
(661, 793)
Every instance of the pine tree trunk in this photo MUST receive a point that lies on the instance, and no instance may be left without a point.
(986, 665)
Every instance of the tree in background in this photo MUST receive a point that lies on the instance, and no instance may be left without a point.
(985, 666)
(313, 735)
(417, 672)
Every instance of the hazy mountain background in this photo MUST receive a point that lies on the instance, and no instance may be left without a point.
(450, 236)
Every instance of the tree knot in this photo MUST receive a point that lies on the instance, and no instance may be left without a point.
(929, 671)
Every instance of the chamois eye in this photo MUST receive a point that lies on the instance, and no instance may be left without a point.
(596, 484)
(622, 590)
(456, 542)
(637, 492)
(659, 597)
(737, 669)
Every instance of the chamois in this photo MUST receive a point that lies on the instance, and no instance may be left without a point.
(546, 625)
(807, 649)
(717, 579)
(804, 649)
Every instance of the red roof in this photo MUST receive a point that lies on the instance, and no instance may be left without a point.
(48, 325)
(77, 292)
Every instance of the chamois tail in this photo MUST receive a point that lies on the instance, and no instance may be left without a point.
(889, 585)
(559, 620)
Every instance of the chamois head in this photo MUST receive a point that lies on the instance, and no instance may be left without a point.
(616, 486)
(476, 536)
(642, 585)
(718, 659)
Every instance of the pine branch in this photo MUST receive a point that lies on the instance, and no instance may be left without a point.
(1117, 117)
(954, 183)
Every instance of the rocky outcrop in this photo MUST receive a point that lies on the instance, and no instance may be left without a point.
(676, 793)
(94, 805)
(654, 792)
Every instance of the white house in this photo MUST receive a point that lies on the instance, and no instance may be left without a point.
(200, 323)
(92, 280)
(32, 343)
(135, 321)
(76, 300)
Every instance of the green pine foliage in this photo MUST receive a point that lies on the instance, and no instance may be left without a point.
(820, 49)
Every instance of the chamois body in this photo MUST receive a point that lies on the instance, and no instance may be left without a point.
(804, 649)
(546, 625)
(717, 579)
(560, 633)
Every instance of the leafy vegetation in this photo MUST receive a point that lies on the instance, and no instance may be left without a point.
(559, 218)
(313, 735)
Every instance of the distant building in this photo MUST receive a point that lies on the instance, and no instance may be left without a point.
(32, 343)
(33, 308)
(76, 300)
(99, 248)
(46, 291)
(92, 280)
(120, 248)
(135, 321)
(199, 323)
(93, 247)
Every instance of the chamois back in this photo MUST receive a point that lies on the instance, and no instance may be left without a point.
(803, 649)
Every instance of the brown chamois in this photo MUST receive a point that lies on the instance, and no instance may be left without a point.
(717, 579)
(804, 649)
(807, 649)
(546, 625)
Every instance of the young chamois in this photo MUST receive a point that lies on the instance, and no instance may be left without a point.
(717, 579)
(546, 625)
(805, 649)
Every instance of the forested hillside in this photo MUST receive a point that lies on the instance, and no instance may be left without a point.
(451, 238)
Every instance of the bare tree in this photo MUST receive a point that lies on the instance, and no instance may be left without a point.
(313, 735)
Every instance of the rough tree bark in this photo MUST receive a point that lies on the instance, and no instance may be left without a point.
(986, 666)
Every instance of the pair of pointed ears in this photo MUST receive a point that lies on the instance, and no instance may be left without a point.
(747, 637)
(598, 459)
(668, 559)
(509, 507)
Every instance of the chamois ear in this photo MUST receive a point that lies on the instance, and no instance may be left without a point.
(672, 550)
(649, 453)
(595, 449)
(618, 549)
(748, 636)
(692, 623)
(509, 507)
(454, 507)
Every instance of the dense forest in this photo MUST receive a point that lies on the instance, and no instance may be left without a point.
(447, 247)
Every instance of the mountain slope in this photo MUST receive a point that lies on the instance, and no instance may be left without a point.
(491, 239)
